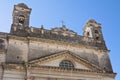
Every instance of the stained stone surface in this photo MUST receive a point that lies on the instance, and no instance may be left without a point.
(30, 53)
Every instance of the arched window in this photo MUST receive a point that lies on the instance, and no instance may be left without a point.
(66, 64)
(21, 19)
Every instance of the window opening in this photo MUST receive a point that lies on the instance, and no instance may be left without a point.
(21, 19)
(96, 31)
(97, 38)
(66, 64)
(88, 33)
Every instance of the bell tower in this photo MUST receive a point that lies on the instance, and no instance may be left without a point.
(93, 30)
(21, 16)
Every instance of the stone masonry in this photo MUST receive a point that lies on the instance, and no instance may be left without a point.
(29, 53)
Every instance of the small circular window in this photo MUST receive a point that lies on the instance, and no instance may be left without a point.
(66, 64)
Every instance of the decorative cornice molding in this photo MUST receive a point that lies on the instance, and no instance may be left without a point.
(17, 38)
(56, 42)
(65, 70)
(8, 66)
(29, 67)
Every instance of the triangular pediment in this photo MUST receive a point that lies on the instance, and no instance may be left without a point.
(55, 59)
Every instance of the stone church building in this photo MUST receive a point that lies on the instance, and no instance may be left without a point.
(29, 53)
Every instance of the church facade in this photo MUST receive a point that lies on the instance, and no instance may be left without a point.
(29, 53)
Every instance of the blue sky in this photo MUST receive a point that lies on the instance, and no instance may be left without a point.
(74, 13)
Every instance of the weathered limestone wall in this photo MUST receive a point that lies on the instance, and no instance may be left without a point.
(14, 75)
(2, 57)
(104, 61)
(1, 72)
(46, 47)
(17, 51)
(24, 50)
(3, 46)
(40, 49)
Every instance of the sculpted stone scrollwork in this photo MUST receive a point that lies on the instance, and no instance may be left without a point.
(63, 31)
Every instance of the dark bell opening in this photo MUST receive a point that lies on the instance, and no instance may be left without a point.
(97, 38)
(96, 31)
(21, 19)
(88, 33)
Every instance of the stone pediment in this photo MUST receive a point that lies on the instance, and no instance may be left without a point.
(55, 59)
